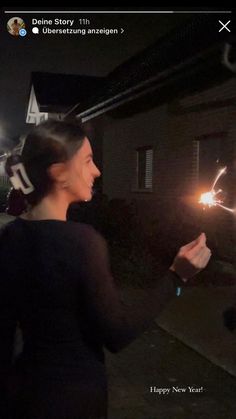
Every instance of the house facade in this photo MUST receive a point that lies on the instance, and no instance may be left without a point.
(178, 133)
(163, 159)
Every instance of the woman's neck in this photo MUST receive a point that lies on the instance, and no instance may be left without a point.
(49, 208)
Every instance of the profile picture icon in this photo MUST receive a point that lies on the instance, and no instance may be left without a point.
(16, 26)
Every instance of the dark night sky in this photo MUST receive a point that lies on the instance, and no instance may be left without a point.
(72, 54)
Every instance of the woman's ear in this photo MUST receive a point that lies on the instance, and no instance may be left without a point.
(58, 172)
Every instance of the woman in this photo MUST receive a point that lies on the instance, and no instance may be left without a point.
(56, 282)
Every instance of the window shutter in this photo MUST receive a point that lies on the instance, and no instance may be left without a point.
(149, 165)
(145, 167)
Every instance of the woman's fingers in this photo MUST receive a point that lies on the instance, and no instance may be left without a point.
(195, 246)
(192, 257)
(201, 259)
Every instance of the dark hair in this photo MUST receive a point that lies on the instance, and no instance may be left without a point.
(50, 142)
(16, 203)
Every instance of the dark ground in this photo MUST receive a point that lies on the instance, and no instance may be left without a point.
(158, 359)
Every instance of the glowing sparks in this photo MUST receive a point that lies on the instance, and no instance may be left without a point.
(221, 172)
(210, 198)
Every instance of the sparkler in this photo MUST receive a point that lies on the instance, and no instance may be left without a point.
(210, 198)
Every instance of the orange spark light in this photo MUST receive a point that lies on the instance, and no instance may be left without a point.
(210, 198)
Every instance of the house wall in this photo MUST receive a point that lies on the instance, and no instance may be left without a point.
(174, 130)
(121, 138)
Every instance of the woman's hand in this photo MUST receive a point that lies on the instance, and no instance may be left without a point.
(191, 258)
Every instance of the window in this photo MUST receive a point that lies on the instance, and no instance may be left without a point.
(144, 167)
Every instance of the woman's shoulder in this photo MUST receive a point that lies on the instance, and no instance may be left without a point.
(58, 227)
(75, 232)
(10, 242)
(6, 227)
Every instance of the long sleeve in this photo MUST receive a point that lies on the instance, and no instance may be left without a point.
(115, 322)
(8, 320)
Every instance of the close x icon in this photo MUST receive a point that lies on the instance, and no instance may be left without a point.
(224, 26)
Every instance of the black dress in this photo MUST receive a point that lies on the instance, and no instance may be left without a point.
(56, 284)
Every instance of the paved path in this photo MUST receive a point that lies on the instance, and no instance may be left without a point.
(196, 319)
(159, 360)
